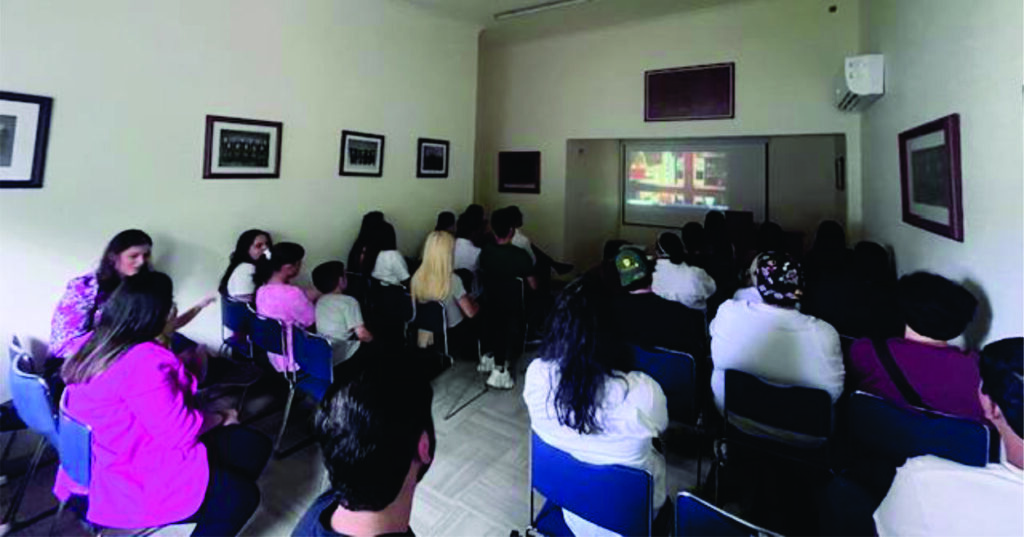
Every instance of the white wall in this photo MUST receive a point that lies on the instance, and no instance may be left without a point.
(943, 57)
(132, 83)
(539, 93)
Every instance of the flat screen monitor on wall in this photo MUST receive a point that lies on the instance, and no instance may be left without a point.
(670, 183)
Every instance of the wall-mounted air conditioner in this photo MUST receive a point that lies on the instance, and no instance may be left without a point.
(861, 82)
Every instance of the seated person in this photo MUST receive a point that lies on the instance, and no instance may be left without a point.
(518, 237)
(501, 263)
(389, 266)
(584, 399)
(645, 319)
(748, 289)
(238, 280)
(367, 230)
(934, 496)
(435, 281)
(920, 368)
(445, 222)
(773, 340)
(674, 279)
(157, 459)
(338, 316)
(466, 254)
(278, 299)
(376, 448)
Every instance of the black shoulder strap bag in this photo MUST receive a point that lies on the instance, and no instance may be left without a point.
(896, 374)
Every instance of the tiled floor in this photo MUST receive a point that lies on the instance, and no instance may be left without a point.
(476, 486)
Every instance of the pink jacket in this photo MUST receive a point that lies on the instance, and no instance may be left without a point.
(148, 466)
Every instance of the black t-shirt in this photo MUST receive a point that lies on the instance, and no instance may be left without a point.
(316, 522)
(647, 320)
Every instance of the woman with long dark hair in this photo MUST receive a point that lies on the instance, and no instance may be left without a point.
(278, 298)
(583, 397)
(79, 309)
(356, 255)
(238, 280)
(156, 458)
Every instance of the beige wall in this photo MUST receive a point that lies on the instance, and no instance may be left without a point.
(537, 94)
(944, 57)
(132, 84)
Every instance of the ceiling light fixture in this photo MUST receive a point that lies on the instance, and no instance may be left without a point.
(538, 8)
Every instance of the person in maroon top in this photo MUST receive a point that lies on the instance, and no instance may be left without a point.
(921, 368)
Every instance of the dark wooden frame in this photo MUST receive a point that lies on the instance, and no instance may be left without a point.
(42, 138)
(208, 152)
(419, 158)
(505, 188)
(732, 91)
(950, 127)
(341, 161)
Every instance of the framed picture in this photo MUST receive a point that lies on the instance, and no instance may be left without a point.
(689, 93)
(519, 171)
(930, 177)
(432, 158)
(239, 148)
(24, 132)
(362, 154)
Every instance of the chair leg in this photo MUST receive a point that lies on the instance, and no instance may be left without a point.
(56, 518)
(19, 495)
(284, 420)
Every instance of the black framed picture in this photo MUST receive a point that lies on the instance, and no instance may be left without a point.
(519, 171)
(930, 177)
(24, 134)
(690, 93)
(362, 154)
(238, 148)
(432, 158)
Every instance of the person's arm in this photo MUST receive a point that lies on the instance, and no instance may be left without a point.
(362, 334)
(532, 282)
(653, 410)
(185, 318)
(835, 371)
(216, 418)
(468, 306)
(312, 294)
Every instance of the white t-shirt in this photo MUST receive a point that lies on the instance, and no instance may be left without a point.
(240, 282)
(688, 285)
(391, 268)
(633, 411)
(522, 241)
(934, 496)
(748, 294)
(777, 344)
(451, 304)
(337, 317)
(467, 256)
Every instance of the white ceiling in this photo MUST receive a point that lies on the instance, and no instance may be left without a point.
(478, 11)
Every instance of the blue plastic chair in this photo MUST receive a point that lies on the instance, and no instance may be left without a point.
(267, 334)
(31, 397)
(614, 497)
(236, 316)
(698, 518)
(676, 373)
(894, 433)
(314, 357)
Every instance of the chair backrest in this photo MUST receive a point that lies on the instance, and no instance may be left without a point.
(235, 315)
(676, 372)
(751, 403)
(431, 316)
(895, 433)
(614, 497)
(696, 517)
(267, 334)
(313, 354)
(75, 446)
(31, 397)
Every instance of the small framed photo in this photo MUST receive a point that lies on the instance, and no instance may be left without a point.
(432, 158)
(362, 154)
(24, 133)
(519, 171)
(238, 148)
(930, 177)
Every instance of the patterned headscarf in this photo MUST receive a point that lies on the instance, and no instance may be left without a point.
(778, 279)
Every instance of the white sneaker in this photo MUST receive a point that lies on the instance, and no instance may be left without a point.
(486, 364)
(500, 379)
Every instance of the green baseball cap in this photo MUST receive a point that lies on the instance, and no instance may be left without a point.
(631, 265)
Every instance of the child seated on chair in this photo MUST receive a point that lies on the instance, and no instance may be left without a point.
(338, 316)
(278, 298)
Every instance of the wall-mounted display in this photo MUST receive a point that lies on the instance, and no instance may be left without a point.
(930, 177)
(24, 133)
(432, 158)
(238, 148)
(689, 93)
(519, 171)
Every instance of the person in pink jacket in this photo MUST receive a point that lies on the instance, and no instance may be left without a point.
(156, 457)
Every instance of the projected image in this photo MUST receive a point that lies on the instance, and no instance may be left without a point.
(678, 179)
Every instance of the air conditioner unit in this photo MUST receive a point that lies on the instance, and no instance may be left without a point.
(861, 82)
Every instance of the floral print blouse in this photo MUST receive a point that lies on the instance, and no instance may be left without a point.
(76, 314)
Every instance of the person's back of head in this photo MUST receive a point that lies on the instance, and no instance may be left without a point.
(466, 226)
(445, 222)
(871, 262)
(714, 222)
(633, 268)
(611, 249)
(770, 238)
(370, 222)
(474, 212)
(1002, 387)
(516, 215)
(778, 279)
(376, 432)
(432, 280)
(502, 224)
(327, 276)
(935, 307)
(281, 255)
(830, 236)
(671, 246)
(695, 239)
(580, 339)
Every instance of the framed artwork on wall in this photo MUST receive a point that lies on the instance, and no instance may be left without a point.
(432, 158)
(930, 177)
(238, 148)
(362, 154)
(24, 133)
(519, 171)
(690, 93)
